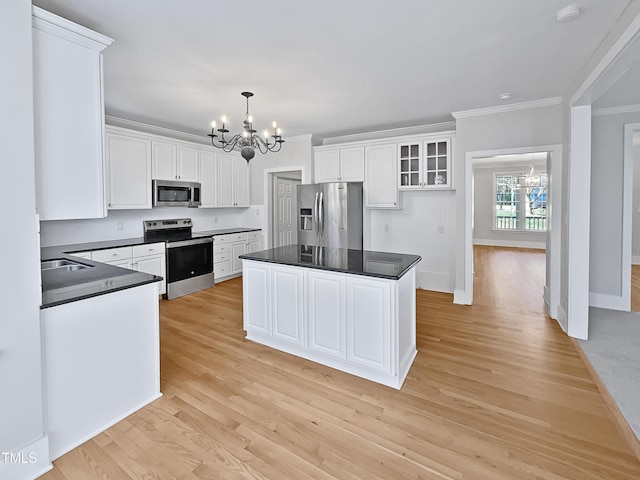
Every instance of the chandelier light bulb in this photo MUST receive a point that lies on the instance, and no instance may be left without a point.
(279, 131)
(266, 134)
(275, 124)
(244, 134)
(250, 119)
(224, 119)
(213, 124)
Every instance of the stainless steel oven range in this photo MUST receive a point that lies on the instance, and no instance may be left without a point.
(189, 255)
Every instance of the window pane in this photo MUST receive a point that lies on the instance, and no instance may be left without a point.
(431, 163)
(441, 179)
(442, 148)
(442, 163)
(431, 178)
(404, 151)
(415, 179)
(507, 206)
(404, 179)
(431, 149)
(415, 164)
(415, 151)
(404, 165)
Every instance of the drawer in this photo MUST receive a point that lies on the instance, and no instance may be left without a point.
(221, 239)
(81, 254)
(148, 249)
(238, 237)
(254, 235)
(222, 257)
(222, 269)
(112, 254)
(224, 248)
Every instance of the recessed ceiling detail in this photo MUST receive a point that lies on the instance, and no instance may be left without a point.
(568, 13)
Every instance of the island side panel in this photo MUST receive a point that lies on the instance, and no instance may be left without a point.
(102, 363)
(406, 305)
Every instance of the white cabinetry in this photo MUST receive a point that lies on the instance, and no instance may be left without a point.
(101, 363)
(208, 178)
(232, 181)
(358, 324)
(147, 258)
(381, 166)
(129, 169)
(425, 164)
(339, 164)
(175, 161)
(227, 250)
(68, 118)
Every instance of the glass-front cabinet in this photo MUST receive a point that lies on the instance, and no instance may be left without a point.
(425, 165)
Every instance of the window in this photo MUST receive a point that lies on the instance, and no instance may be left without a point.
(521, 202)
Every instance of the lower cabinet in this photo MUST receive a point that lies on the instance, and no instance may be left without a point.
(358, 324)
(147, 258)
(101, 363)
(227, 250)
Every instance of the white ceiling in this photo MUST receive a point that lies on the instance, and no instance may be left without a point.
(333, 67)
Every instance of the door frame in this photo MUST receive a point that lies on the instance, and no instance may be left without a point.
(274, 179)
(268, 195)
(553, 238)
(627, 213)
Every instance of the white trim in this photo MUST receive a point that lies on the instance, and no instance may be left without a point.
(36, 452)
(462, 297)
(390, 133)
(510, 243)
(433, 281)
(600, 112)
(61, 27)
(627, 213)
(611, 302)
(479, 112)
(562, 318)
(610, 67)
(635, 260)
(268, 196)
(579, 216)
(386, 140)
(553, 239)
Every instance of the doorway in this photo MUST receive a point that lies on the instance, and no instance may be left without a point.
(551, 288)
(632, 162)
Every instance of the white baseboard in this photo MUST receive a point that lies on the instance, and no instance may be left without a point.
(509, 243)
(437, 282)
(562, 318)
(612, 302)
(28, 463)
(635, 260)
(462, 297)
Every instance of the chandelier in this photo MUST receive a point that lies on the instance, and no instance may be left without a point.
(247, 141)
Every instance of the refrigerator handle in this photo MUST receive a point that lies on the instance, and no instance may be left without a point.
(321, 213)
(316, 224)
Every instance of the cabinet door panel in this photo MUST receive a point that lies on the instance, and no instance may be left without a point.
(369, 323)
(326, 313)
(256, 315)
(208, 176)
(155, 265)
(237, 249)
(327, 166)
(287, 304)
(188, 165)
(225, 181)
(380, 187)
(352, 164)
(129, 167)
(164, 161)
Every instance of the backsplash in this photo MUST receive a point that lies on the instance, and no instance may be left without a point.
(121, 224)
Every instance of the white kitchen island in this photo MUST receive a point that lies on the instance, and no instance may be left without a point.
(352, 310)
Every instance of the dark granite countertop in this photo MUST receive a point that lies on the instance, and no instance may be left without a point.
(60, 287)
(386, 265)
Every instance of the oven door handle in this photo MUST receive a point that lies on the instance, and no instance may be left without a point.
(185, 243)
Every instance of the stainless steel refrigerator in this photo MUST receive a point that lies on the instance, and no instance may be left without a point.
(330, 215)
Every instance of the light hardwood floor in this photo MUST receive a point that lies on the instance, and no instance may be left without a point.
(497, 392)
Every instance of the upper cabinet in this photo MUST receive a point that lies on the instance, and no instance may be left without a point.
(232, 181)
(68, 118)
(381, 166)
(128, 168)
(425, 164)
(339, 164)
(174, 161)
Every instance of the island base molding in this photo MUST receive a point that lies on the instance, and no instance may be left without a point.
(361, 325)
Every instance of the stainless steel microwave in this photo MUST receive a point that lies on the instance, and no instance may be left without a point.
(170, 193)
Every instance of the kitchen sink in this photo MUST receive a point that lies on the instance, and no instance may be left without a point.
(62, 264)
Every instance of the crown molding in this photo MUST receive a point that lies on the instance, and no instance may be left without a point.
(479, 112)
(391, 132)
(63, 28)
(599, 112)
(155, 130)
